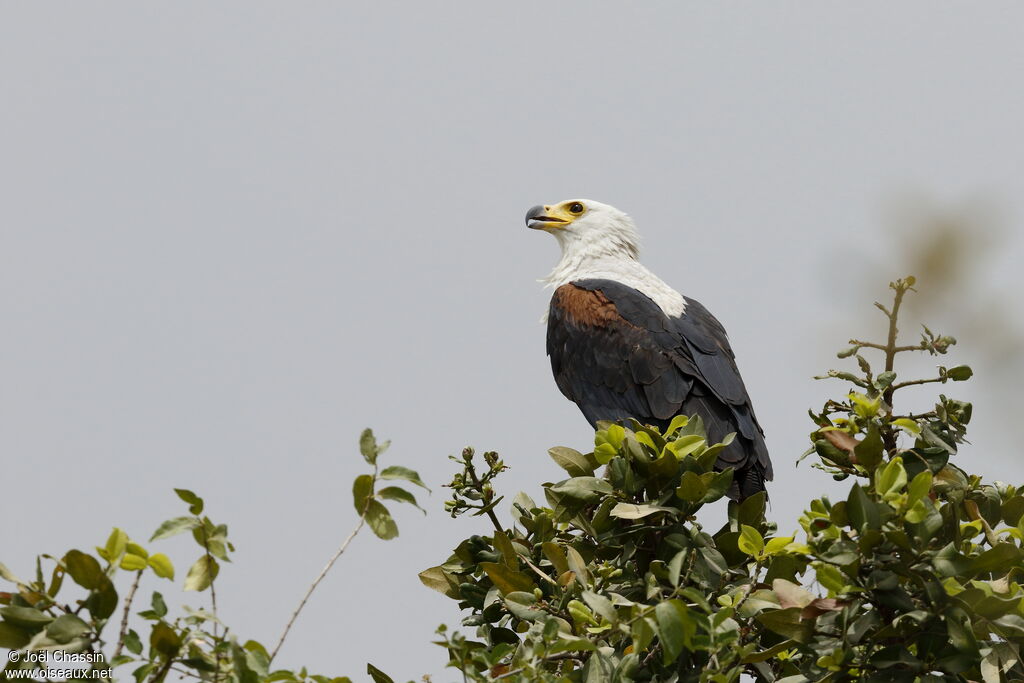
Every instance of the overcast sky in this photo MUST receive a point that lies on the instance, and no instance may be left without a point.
(233, 235)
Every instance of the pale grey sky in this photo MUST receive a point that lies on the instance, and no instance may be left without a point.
(235, 234)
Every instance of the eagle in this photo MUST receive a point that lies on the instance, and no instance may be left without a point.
(623, 344)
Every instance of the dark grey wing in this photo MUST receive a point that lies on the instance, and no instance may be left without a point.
(630, 360)
(708, 344)
(613, 369)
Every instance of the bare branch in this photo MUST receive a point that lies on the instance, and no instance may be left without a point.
(323, 572)
(127, 609)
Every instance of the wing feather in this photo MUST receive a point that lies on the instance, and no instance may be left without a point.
(616, 355)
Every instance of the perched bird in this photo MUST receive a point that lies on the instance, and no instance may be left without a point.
(624, 344)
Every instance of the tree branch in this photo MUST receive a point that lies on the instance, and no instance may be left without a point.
(323, 573)
(882, 347)
(900, 287)
(476, 482)
(127, 609)
(911, 383)
(213, 603)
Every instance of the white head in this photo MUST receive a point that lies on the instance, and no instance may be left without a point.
(600, 242)
(586, 229)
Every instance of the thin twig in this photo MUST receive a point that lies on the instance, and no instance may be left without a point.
(911, 383)
(161, 673)
(537, 570)
(557, 657)
(320, 577)
(650, 655)
(882, 347)
(748, 589)
(213, 603)
(127, 609)
(888, 437)
(913, 416)
(479, 486)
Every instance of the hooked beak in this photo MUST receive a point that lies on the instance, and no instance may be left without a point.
(540, 218)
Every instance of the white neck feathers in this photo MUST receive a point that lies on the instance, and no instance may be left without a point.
(609, 252)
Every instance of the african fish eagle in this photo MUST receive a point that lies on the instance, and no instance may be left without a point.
(624, 344)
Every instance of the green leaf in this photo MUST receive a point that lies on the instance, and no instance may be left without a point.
(556, 556)
(85, 570)
(691, 487)
(7, 575)
(577, 565)
(884, 380)
(633, 511)
(503, 545)
(158, 604)
(102, 601)
(864, 406)
(520, 604)
(380, 520)
(601, 605)
(787, 623)
(507, 580)
(750, 541)
(115, 545)
(869, 451)
(615, 434)
(436, 578)
(398, 494)
(791, 594)
(1012, 511)
(604, 453)
(919, 487)
(376, 674)
(765, 655)
(133, 563)
(830, 577)
(195, 503)
(718, 483)
(997, 559)
(162, 566)
(917, 512)
(362, 490)
(677, 423)
(580, 613)
(685, 445)
(572, 461)
(675, 627)
(12, 637)
(891, 479)
(907, 425)
(173, 527)
(574, 645)
(132, 642)
(862, 511)
(950, 477)
(675, 568)
(583, 489)
(136, 549)
(397, 472)
(164, 640)
(368, 446)
(960, 373)
(202, 573)
(67, 627)
(27, 617)
(775, 545)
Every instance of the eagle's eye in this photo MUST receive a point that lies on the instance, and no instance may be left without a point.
(576, 208)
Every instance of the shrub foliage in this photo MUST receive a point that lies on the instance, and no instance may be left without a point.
(72, 606)
(913, 576)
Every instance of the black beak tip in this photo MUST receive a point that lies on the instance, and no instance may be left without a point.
(534, 212)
